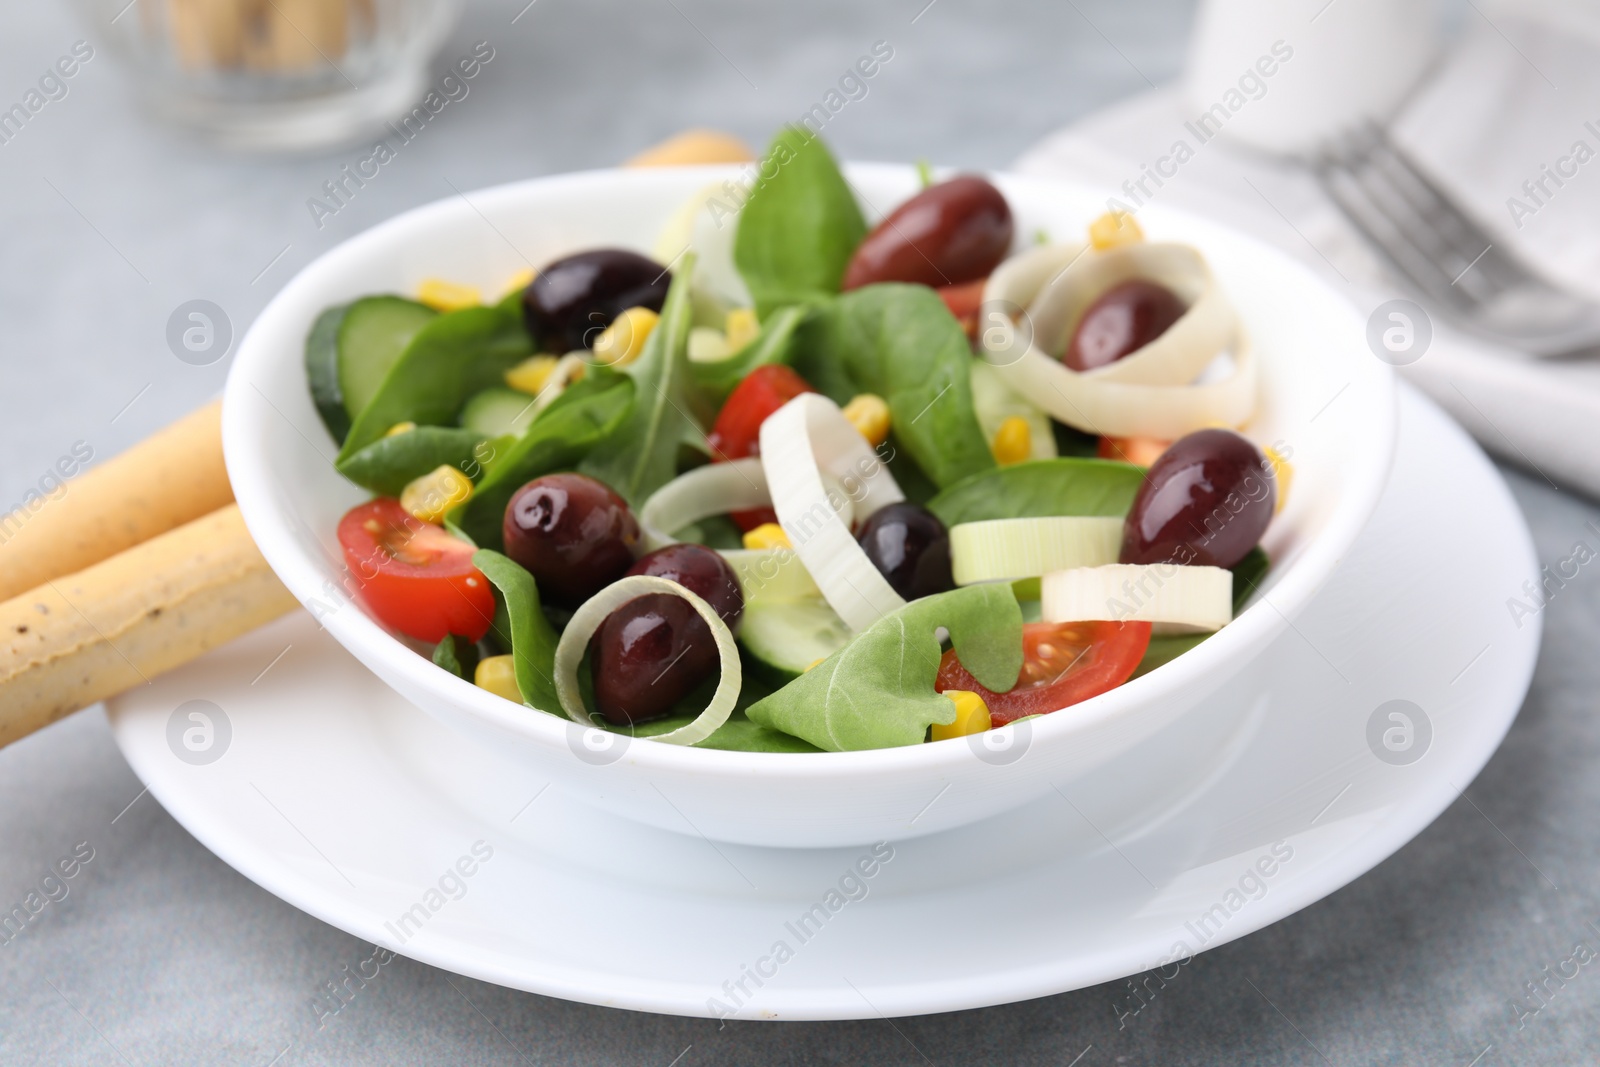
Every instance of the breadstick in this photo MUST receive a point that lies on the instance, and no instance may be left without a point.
(168, 479)
(694, 146)
(84, 637)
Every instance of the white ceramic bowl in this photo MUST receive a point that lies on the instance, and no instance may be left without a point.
(1324, 395)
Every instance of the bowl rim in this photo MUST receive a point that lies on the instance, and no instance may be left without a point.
(250, 472)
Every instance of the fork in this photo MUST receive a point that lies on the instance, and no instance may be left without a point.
(1450, 259)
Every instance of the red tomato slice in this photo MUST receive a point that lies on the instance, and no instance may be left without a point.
(737, 431)
(1062, 664)
(964, 301)
(415, 577)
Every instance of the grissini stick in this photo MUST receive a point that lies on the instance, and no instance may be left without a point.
(83, 637)
(170, 478)
(171, 571)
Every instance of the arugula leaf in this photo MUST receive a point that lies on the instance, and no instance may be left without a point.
(774, 344)
(1041, 488)
(800, 226)
(877, 691)
(902, 343)
(641, 455)
(387, 464)
(532, 640)
(584, 414)
(448, 360)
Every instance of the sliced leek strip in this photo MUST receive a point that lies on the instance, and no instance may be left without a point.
(718, 488)
(1181, 352)
(587, 620)
(1123, 409)
(802, 440)
(1005, 550)
(1183, 599)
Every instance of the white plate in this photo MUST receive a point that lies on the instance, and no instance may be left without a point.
(339, 797)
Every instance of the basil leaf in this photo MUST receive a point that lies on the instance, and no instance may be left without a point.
(584, 414)
(774, 344)
(800, 226)
(448, 360)
(902, 343)
(1041, 488)
(532, 640)
(877, 691)
(387, 464)
(642, 454)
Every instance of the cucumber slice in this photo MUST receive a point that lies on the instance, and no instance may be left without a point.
(375, 330)
(785, 637)
(322, 371)
(498, 411)
(994, 401)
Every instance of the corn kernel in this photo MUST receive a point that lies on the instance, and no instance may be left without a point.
(520, 280)
(741, 326)
(621, 342)
(447, 296)
(498, 674)
(1113, 230)
(819, 660)
(707, 344)
(972, 716)
(767, 535)
(1013, 441)
(399, 428)
(531, 375)
(433, 494)
(869, 414)
(1282, 473)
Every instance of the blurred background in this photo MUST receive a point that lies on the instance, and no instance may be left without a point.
(118, 208)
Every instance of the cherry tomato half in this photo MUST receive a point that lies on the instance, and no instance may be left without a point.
(1062, 664)
(737, 432)
(415, 577)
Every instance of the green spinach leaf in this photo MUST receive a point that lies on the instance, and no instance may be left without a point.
(641, 455)
(387, 464)
(877, 691)
(449, 359)
(800, 226)
(774, 344)
(584, 414)
(1165, 649)
(902, 343)
(457, 655)
(1248, 573)
(1040, 488)
(532, 639)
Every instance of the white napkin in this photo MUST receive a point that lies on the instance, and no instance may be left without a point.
(1514, 93)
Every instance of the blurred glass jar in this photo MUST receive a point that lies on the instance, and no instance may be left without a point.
(278, 74)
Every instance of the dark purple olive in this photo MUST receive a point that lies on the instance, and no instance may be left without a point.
(954, 232)
(1121, 320)
(649, 654)
(656, 649)
(910, 547)
(571, 301)
(1205, 502)
(703, 572)
(572, 533)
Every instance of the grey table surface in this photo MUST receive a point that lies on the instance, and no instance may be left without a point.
(162, 954)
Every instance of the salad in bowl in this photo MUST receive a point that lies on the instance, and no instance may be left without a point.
(795, 483)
